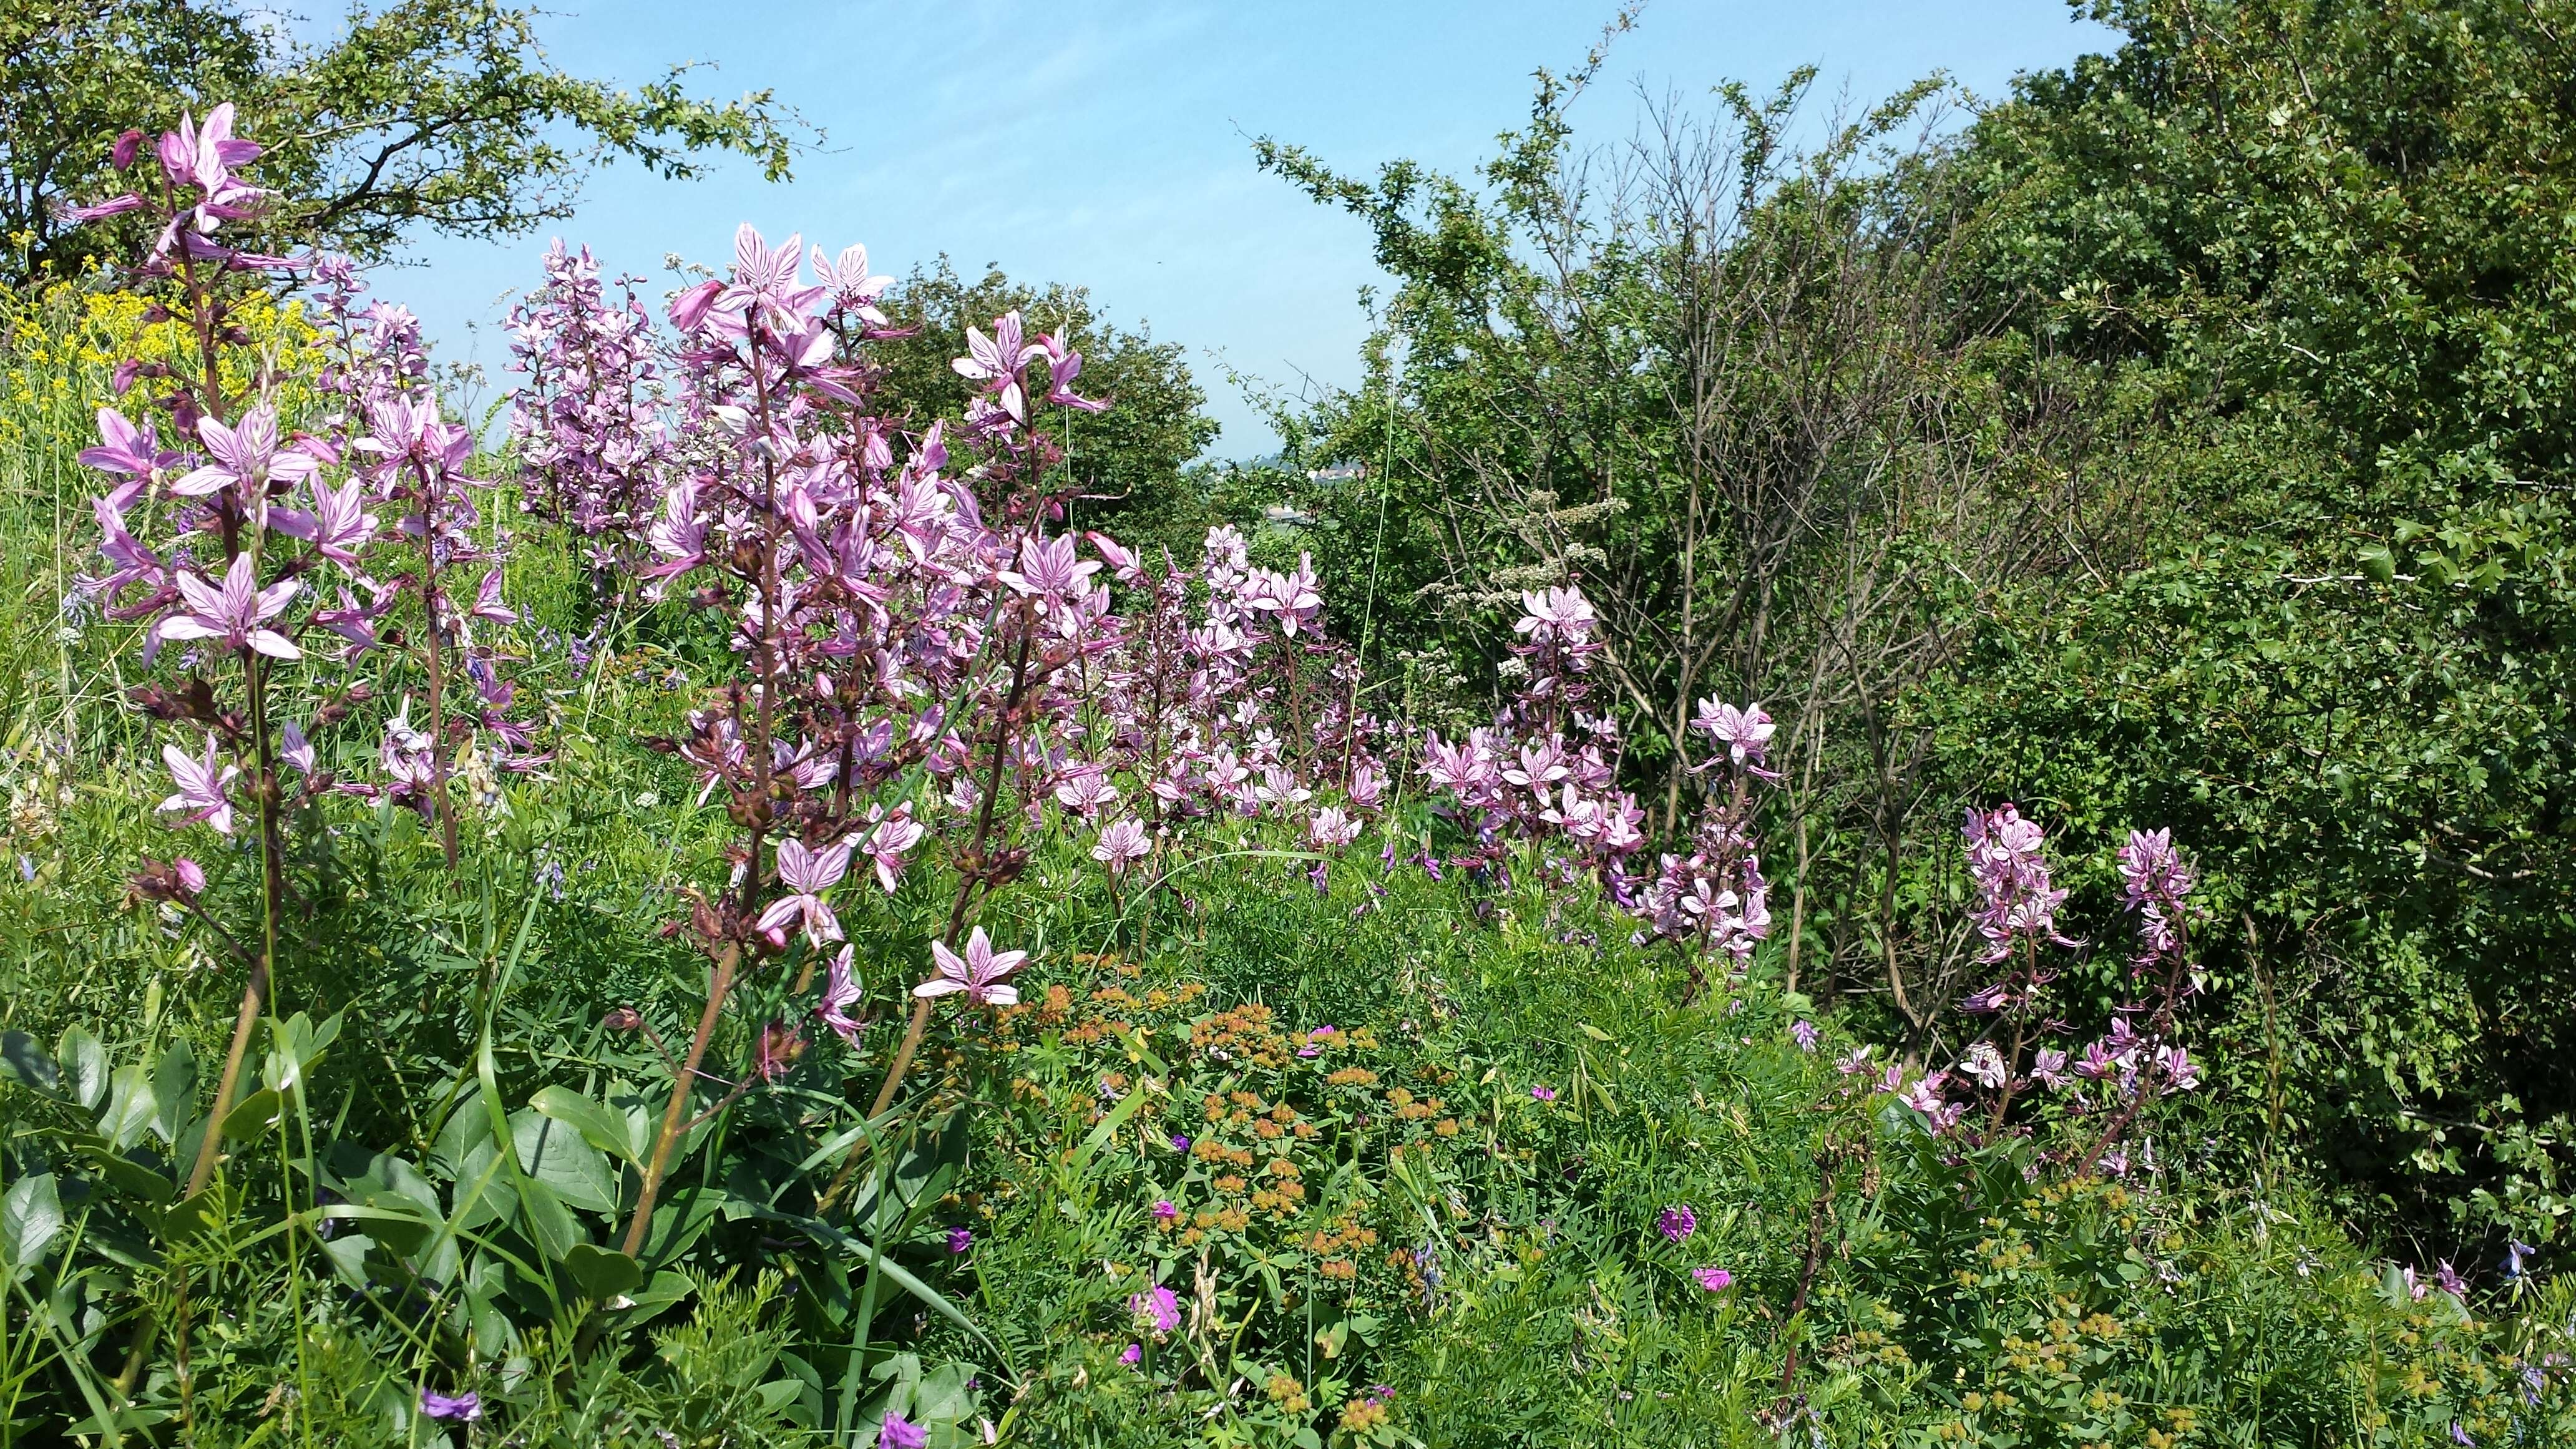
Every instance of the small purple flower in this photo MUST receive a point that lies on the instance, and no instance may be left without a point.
(898, 1432)
(1158, 1309)
(1132, 1355)
(464, 1408)
(1165, 1210)
(1542, 1094)
(2514, 1252)
(2460, 1435)
(1677, 1222)
(1805, 1034)
(1180, 1143)
(960, 1239)
(1715, 1280)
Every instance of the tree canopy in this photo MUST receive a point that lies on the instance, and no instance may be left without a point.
(437, 114)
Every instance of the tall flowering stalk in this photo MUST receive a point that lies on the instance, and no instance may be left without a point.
(217, 542)
(1545, 769)
(591, 436)
(2112, 1076)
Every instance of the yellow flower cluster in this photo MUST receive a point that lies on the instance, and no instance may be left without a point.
(59, 350)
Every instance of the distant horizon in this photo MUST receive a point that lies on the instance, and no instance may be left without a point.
(1110, 147)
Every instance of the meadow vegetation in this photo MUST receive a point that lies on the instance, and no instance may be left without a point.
(810, 879)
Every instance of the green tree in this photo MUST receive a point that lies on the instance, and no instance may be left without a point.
(443, 114)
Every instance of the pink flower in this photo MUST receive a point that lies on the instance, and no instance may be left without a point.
(978, 974)
(235, 611)
(997, 360)
(840, 993)
(1559, 614)
(1677, 1222)
(337, 526)
(1542, 1094)
(1715, 1280)
(1123, 841)
(1745, 732)
(960, 1239)
(1805, 1034)
(200, 790)
(1157, 1310)
(1165, 1210)
(808, 873)
(898, 1432)
(1331, 829)
(247, 458)
(887, 840)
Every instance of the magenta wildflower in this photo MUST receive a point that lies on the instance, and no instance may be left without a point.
(960, 1238)
(1677, 1222)
(1805, 1034)
(1543, 1094)
(201, 788)
(1132, 1355)
(1715, 1280)
(898, 1432)
(840, 993)
(1157, 1309)
(1165, 1210)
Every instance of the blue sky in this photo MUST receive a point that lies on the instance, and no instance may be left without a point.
(1110, 144)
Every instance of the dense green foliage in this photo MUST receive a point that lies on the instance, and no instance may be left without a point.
(2184, 438)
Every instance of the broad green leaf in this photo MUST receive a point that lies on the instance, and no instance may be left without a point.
(84, 1066)
(130, 1106)
(252, 1116)
(174, 1088)
(24, 1062)
(599, 1125)
(554, 1153)
(602, 1273)
(31, 1217)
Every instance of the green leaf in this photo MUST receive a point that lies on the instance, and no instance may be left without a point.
(130, 1106)
(84, 1065)
(252, 1116)
(599, 1125)
(602, 1273)
(24, 1062)
(31, 1217)
(554, 1153)
(174, 1087)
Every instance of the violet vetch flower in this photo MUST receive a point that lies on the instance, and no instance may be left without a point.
(462, 1408)
(1542, 1094)
(1804, 1032)
(1132, 1355)
(1715, 1280)
(960, 1239)
(1165, 1210)
(898, 1432)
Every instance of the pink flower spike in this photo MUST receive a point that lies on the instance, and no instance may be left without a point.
(978, 974)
